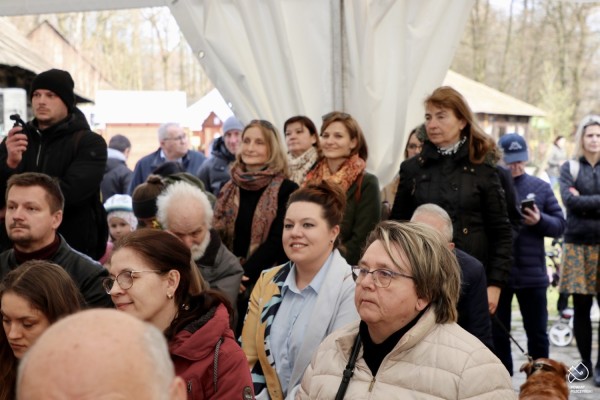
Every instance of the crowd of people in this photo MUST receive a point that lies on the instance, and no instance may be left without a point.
(276, 268)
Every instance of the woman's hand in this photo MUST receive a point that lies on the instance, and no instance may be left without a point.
(574, 191)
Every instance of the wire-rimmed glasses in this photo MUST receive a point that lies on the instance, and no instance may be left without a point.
(124, 279)
(381, 277)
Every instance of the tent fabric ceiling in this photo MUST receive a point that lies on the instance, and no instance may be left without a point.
(276, 58)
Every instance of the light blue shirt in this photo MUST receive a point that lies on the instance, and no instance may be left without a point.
(289, 325)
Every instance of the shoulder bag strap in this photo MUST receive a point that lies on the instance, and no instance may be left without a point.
(349, 371)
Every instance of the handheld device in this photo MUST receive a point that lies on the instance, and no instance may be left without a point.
(527, 203)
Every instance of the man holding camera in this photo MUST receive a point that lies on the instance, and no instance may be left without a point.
(542, 216)
(59, 143)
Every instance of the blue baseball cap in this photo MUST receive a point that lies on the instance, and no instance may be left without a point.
(514, 148)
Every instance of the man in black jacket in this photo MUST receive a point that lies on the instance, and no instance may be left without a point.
(117, 175)
(472, 307)
(34, 211)
(59, 142)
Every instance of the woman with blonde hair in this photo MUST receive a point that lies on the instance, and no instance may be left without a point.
(344, 163)
(251, 206)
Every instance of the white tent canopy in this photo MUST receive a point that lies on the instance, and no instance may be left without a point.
(271, 59)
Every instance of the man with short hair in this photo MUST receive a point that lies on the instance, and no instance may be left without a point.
(174, 146)
(215, 171)
(117, 175)
(34, 212)
(99, 354)
(184, 210)
(472, 306)
(528, 278)
(59, 142)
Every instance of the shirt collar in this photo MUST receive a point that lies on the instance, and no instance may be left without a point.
(315, 284)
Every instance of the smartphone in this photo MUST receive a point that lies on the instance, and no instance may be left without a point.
(527, 203)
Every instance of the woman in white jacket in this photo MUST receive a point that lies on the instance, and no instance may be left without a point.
(407, 343)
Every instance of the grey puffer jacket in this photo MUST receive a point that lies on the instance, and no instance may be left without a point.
(583, 211)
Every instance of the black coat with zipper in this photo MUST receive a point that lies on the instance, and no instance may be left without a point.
(473, 197)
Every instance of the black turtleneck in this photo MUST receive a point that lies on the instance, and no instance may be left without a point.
(374, 353)
(45, 253)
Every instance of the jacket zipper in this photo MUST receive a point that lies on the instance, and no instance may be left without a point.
(372, 384)
(37, 157)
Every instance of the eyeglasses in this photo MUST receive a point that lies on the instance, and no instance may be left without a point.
(124, 279)
(413, 146)
(264, 123)
(181, 138)
(381, 277)
(338, 114)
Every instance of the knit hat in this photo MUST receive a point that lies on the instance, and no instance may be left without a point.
(514, 147)
(232, 123)
(57, 81)
(120, 206)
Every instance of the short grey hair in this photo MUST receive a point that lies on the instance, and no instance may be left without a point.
(178, 191)
(153, 341)
(162, 130)
(437, 211)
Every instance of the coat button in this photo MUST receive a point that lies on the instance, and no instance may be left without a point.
(465, 231)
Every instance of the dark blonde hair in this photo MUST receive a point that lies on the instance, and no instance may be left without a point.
(433, 266)
(48, 288)
(354, 130)
(481, 145)
(277, 160)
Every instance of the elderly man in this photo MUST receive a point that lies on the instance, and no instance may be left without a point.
(174, 146)
(185, 211)
(34, 211)
(473, 315)
(101, 354)
(215, 171)
(59, 142)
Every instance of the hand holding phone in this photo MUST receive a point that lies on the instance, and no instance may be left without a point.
(527, 203)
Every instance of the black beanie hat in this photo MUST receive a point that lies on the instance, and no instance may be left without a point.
(57, 81)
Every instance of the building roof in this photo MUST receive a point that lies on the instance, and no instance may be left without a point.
(486, 100)
(198, 112)
(16, 51)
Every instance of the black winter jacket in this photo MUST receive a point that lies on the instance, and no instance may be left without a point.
(583, 211)
(76, 156)
(472, 196)
(117, 176)
(86, 273)
(214, 172)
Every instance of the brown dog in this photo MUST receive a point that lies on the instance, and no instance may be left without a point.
(546, 379)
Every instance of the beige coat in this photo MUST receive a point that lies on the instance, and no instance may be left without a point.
(431, 361)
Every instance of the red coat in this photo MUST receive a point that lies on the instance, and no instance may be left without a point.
(193, 354)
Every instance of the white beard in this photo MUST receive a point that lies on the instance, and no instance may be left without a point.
(198, 250)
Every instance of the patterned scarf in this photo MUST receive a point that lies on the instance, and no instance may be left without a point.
(452, 149)
(345, 176)
(227, 206)
(299, 166)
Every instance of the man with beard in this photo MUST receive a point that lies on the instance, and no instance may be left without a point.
(59, 142)
(185, 211)
(34, 211)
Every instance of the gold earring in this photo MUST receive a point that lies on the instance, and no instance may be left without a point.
(169, 296)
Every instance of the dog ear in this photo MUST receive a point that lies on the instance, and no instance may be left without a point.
(563, 369)
(527, 368)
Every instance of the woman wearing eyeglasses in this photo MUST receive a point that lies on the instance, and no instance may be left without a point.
(294, 306)
(251, 206)
(153, 278)
(32, 297)
(344, 163)
(407, 343)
